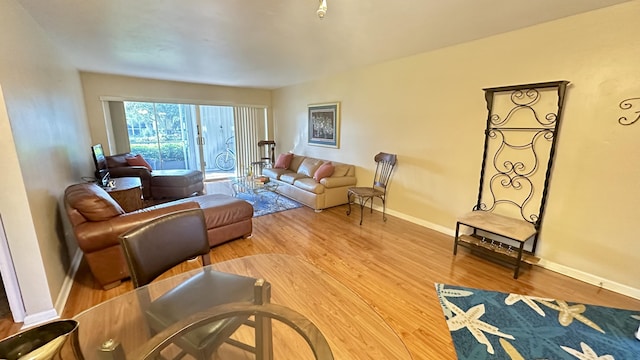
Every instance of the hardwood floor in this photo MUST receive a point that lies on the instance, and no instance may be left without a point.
(392, 266)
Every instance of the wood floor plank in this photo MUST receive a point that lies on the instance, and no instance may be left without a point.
(391, 265)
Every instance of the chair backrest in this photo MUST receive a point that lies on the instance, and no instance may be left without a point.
(164, 242)
(384, 167)
(268, 151)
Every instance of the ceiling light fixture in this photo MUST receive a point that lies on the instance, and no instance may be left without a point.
(322, 9)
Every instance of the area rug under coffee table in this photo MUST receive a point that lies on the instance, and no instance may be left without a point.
(268, 202)
(494, 325)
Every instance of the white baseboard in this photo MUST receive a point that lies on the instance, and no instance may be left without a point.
(591, 279)
(53, 314)
(549, 265)
(63, 296)
(39, 318)
(427, 224)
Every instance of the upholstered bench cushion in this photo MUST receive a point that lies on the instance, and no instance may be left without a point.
(176, 183)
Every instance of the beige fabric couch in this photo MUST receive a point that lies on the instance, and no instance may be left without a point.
(297, 182)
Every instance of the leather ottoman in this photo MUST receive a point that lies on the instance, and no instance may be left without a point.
(227, 217)
(176, 183)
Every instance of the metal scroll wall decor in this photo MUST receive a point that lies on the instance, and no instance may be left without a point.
(627, 104)
(519, 147)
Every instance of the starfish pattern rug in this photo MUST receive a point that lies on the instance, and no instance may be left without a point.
(494, 325)
(267, 202)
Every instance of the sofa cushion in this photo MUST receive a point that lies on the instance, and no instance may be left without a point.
(325, 170)
(283, 161)
(93, 202)
(309, 184)
(340, 169)
(309, 166)
(138, 160)
(291, 177)
(295, 162)
(274, 173)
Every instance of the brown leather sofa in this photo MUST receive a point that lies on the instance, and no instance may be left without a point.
(157, 184)
(98, 220)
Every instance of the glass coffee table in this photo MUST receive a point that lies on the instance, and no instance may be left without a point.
(253, 185)
(352, 328)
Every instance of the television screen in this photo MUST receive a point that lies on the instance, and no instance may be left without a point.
(102, 171)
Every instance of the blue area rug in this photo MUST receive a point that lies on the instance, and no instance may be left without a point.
(495, 325)
(267, 202)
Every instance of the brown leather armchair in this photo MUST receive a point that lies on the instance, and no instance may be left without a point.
(98, 220)
(176, 183)
(118, 167)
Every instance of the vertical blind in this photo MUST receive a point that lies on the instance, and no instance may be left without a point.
(249, 129)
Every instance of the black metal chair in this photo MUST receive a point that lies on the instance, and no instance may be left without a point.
(384, 167)
(155, 247)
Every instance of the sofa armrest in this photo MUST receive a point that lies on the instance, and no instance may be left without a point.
(94, 236)
(338, 181)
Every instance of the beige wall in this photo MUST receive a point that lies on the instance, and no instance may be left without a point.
(430, 110)
(427, 108)
(98, 87)
(44, 143)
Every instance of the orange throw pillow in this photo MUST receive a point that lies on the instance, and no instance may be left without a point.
(283, 161)
(325, 170)
(138, 160)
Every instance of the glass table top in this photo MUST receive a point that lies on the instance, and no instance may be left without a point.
(254, 184)
(351, 327)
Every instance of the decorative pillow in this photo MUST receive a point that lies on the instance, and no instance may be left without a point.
(309, 166)
(138, 160)
(325, 170)
(283, 161)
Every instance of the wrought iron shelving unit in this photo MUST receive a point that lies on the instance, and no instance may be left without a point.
(519, 147)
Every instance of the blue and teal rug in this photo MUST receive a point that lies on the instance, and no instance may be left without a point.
(495, 325)
(267, 202)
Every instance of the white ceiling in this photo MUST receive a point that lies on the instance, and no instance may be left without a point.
(273, 43)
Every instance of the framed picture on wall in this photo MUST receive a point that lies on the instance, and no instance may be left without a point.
(324, 125)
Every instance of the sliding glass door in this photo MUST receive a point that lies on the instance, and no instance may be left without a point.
(162, 134)
(217, 142)
(221, 141)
